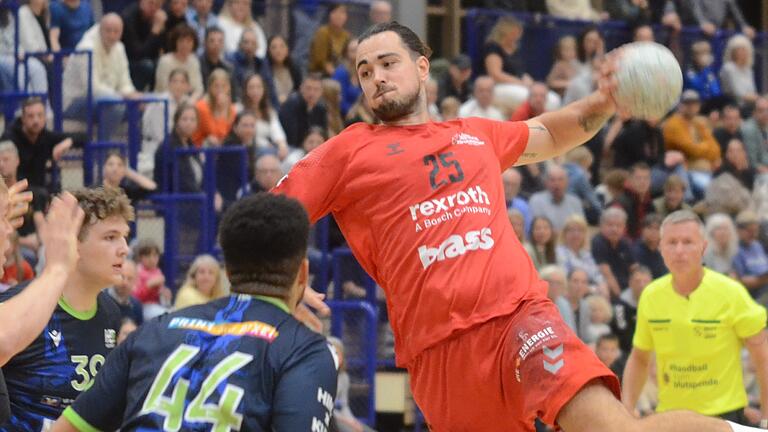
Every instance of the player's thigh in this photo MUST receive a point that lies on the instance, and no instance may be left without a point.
(595, 408)
(458, 385)
(545, 363)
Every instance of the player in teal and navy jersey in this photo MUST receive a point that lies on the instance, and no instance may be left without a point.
(63, 360)
(24, 316)
(240, 363)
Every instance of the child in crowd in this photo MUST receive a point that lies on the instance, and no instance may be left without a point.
(150, 282)
(600, 315)
(608, 351)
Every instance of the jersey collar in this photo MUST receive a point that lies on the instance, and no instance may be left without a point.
(82, 316)
(272, 300)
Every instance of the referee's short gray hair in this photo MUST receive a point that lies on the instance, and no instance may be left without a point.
(682, 216)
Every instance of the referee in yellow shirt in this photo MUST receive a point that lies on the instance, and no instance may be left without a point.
(696, 321)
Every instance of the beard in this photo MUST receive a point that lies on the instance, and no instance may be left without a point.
(394, 109)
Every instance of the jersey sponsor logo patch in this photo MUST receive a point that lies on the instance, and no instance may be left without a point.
(437, 206)
(455, 246)
(553, 359)
(394, 149)
(255, 329)
(110, 338)
(55, 336)
(531, 342)
(466, 139)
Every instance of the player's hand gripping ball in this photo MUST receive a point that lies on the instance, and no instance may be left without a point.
(648, 80)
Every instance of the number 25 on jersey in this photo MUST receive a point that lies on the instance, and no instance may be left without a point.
(441, 163)
(222, 415)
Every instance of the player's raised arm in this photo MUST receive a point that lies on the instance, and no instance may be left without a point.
(24, 316)
(554, 133)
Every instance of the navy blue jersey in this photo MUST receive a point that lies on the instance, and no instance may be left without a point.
(62, 362)
(5, 405)
(237, 363)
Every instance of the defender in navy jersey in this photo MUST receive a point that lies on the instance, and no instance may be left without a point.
(49, 374)
(64, 359)
(240, 363)
(24, 316)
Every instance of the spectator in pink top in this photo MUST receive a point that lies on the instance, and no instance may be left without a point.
(150, 282)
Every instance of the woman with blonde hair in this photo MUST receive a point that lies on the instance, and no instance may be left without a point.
(501, 61)
(205, 282)
(736, 76)
(722, 243)
(332, 97)
(235, 17)
(573, 251)
(215, 110)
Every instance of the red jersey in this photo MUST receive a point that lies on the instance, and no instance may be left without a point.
(422, 208)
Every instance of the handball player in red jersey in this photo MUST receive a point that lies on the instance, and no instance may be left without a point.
(422, 207)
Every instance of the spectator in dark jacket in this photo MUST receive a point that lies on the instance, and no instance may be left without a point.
(646, 248)
(212, 57)
(245, 63)
(636, 199)
(304, 109)
(38, 147)
(188, 166)
(144, 37)
(457, 81)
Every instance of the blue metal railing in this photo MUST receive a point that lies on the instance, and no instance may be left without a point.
(210, 174)
(133, 115)
(56, 85)
(169, 206)
(365, 360)
(343, 256)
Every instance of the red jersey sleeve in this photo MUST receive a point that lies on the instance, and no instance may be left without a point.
(317, 180)
(509, 139)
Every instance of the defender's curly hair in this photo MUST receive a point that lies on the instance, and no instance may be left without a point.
(264, 240)
(100, 203)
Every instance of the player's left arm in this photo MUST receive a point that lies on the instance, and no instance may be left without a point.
(757, 346)
(102, 406)
(554, 133)
(306, 390)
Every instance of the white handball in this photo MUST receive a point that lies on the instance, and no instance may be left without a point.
(649, 80)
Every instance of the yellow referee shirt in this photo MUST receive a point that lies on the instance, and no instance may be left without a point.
(698, 341)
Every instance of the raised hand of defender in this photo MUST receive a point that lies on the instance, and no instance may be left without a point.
(314, 299)
(59, 231)
(18, 203)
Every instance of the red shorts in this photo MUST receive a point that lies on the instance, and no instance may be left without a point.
(502, 374)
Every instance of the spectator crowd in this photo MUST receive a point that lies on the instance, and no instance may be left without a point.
(590, 221)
